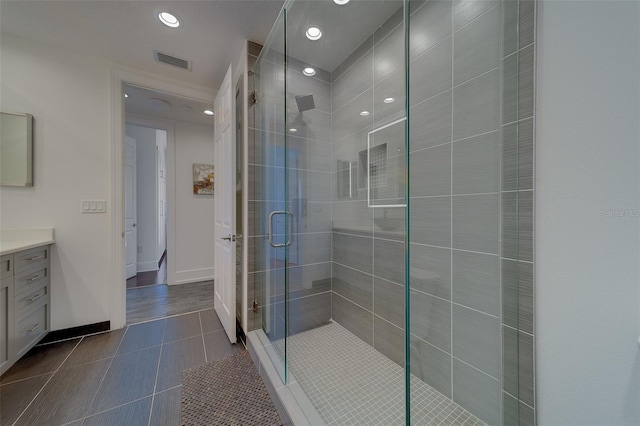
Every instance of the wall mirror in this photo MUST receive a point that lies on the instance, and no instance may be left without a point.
(16, 149)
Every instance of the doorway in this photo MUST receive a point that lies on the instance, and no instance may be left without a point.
(166, 222)
(145, 205)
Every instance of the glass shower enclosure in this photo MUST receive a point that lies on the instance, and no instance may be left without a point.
(387, 182)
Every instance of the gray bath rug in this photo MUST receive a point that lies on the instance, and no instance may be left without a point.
(227, 392)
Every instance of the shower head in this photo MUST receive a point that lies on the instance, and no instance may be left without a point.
(305, 102)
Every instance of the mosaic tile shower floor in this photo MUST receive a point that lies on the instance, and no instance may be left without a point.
(351, 383)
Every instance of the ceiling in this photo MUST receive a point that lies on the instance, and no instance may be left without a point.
(164, 106)
(127, 31)
(344, 28)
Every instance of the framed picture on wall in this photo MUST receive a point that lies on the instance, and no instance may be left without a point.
(203, 178)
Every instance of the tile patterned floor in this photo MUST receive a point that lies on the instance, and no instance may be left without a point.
(124, 377)
(159, 301)
(350, 383)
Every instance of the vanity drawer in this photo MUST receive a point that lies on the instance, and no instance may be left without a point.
(32, 258)
(31, 279)
(6, 266)
(30, 328)
(28, 299)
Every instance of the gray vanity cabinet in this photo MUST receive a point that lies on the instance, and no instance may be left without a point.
(24, 303)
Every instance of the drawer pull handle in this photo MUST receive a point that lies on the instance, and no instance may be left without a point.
(32, 329)
(36, 277)
(31, 259)
(34, 298)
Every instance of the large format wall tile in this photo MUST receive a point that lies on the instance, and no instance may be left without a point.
(353, 285)
(352, 317)
(430, 23)
(353, 251)
(432, 71)
(388, 54)
(389, 261)
(477, 47)
(476, 339)
(476, 106)
(389, 301)
(431, 365)
(433, 175)
(476, 164)
(431, 270)
(476, 281)
(353, 82)
(525, 82)
(309, 312)
(465, 11)
(389, 340)
(477, 392)
(431, 319)
(434, 126)
(476, 222)
(431, 221)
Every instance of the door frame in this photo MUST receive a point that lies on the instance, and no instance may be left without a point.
(120, 77)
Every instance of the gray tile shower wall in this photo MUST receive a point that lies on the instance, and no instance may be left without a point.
(308, 161)
(471, 143)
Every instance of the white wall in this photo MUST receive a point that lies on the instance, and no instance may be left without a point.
(194, 213)
(68, 97)
(147, 221)
(587, 257)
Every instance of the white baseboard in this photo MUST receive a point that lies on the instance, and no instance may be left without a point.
(193, 275)
(147, 266)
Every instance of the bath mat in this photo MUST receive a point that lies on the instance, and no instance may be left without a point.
(227, 392)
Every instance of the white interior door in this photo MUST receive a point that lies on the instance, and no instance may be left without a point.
(130, 208)
(224, 208)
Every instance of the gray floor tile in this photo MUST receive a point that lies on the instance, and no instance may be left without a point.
(39, 360)
(218, 346)
(176, 357)
(166, 407)
(93, 348)
(132, 414)
(15, 397)
(67, 396)
(141, 336)
(130, 377)
(210, 321)
(181, 327)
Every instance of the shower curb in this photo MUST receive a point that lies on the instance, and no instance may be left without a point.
(290, 401)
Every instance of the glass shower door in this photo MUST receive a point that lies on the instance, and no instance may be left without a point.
(269, 221)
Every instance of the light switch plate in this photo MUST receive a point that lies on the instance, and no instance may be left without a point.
(93, 206)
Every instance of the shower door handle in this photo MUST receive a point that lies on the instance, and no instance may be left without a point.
(271, 215)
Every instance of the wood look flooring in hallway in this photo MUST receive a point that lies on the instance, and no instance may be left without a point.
(159, 301)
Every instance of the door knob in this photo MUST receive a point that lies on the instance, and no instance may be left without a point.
(134, 225)
(229, 238)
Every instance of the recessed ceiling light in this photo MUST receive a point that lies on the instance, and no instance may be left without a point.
(364, 113)
(313, 33)
(309, 71)
(292, 130)
(389, 100)
(341, 2)
(208, 112)
(169, 19)
(126, 95)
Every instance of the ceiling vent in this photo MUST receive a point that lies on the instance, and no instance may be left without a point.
(172, 60)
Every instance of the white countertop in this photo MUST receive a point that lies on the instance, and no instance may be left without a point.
(15, 240)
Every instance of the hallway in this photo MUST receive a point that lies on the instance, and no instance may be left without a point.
(130, 376)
